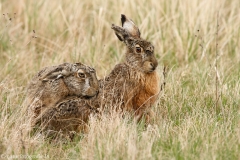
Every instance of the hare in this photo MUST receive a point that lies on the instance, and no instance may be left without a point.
(55, 83)
(134, 84)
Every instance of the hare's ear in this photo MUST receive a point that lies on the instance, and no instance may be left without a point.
(56, 73)
(130, 27)
(121, 33)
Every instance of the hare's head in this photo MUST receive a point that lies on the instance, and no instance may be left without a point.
(140, 53)
(80, 79)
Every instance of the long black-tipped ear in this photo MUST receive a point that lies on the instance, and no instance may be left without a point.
(56, 73)
(120, 33)
(130, 27)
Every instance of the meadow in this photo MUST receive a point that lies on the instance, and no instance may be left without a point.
(197, 42)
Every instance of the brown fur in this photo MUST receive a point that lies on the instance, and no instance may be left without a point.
(135, 84)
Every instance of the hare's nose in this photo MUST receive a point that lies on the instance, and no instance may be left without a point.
(153, 66)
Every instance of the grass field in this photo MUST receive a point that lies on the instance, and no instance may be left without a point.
(194, 118)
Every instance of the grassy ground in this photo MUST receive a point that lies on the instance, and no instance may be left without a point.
(188, 122)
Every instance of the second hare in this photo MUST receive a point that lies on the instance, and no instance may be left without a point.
(55, 83)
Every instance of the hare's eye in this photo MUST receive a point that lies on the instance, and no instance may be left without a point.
(138, 49)
(81, 75)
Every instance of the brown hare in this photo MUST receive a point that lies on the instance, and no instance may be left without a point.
(55, 83)
(134, 84)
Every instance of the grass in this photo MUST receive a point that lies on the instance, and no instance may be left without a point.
(187, 125)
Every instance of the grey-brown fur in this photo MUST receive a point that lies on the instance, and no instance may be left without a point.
(65, 116)
(55, 83)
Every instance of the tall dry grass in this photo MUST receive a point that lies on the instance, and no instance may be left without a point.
(186, 126)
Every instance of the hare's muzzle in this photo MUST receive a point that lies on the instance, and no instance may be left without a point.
(150, 66)
(91, 88)
(91, 92)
